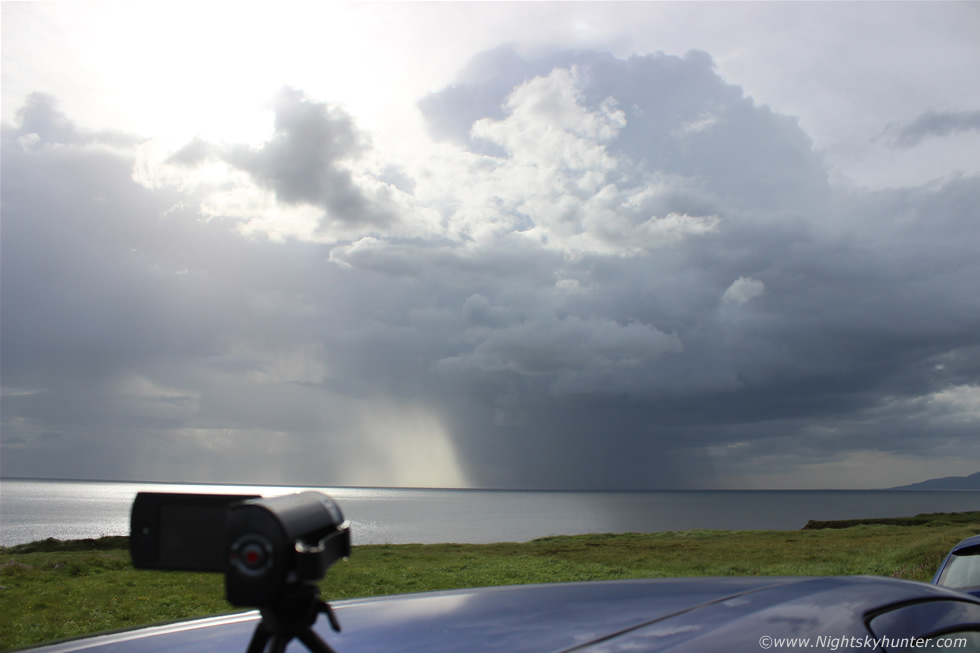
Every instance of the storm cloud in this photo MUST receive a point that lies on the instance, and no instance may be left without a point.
(610, 273)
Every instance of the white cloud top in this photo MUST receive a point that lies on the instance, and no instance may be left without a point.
(742, 290)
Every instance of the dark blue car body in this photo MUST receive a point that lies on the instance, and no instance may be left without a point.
(692, 615)
(961, 568)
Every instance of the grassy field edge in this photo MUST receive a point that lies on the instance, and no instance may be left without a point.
(53, 589)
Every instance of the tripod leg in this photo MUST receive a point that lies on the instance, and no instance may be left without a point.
(279, 642)
(259, 639)
(327, 610)
(313, 642)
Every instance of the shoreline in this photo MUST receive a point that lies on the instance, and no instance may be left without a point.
(933, 519)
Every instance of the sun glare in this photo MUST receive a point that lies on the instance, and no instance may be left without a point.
(176, 70)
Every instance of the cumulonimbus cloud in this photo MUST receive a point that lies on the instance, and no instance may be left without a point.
(624, 247)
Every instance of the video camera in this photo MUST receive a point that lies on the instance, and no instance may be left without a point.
(273, 551)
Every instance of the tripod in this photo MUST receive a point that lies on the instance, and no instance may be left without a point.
(293, 615)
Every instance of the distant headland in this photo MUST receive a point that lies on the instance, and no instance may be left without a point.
(971, 482)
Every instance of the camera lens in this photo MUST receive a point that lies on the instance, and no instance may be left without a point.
(252, 554)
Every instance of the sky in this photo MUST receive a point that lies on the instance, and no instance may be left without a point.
(508, 245)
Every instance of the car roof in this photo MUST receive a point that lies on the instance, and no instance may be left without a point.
(539, 618)
(967, 543)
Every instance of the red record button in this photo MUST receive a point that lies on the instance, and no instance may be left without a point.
(253, 555)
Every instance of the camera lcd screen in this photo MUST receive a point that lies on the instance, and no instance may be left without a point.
(180, 531)
(193, 537)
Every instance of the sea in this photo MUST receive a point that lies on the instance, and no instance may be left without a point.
(38, 509)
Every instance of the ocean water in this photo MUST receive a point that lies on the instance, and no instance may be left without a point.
(34, 509)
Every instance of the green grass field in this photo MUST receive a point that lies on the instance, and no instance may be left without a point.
(53, 590)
